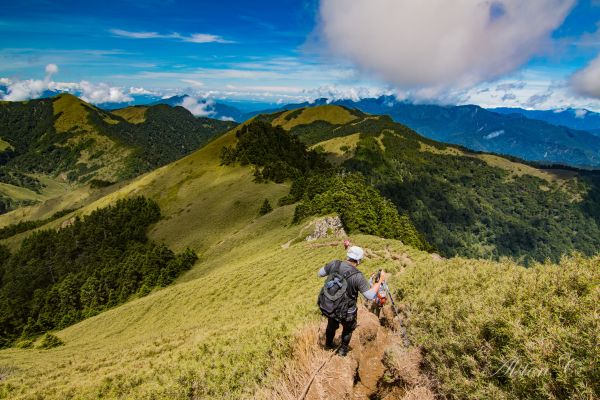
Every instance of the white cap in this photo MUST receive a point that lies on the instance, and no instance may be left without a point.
(355, 253)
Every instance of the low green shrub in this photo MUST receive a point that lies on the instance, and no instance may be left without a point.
(50, 341)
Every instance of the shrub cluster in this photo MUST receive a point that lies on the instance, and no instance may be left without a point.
(360, 207)
(57, 278)
(275, 154)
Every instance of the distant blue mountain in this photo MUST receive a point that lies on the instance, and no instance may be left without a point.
(483, 130)
(138, 100)
(581, 119)
(216, 110)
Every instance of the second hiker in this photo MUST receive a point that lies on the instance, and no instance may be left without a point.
(337, 299)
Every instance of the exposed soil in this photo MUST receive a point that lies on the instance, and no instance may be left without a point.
(378, 366)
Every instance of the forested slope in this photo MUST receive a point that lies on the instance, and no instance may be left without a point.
(465, 203)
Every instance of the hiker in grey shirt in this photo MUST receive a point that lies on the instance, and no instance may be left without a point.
(355, 283)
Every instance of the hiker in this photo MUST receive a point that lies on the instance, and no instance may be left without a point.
(337, 299)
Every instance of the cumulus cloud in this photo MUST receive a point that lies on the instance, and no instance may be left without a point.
(439, 44)
(90, 92)
(30, 88)
(334, 92)
(140, 91)
(51, 69)
(198, 107)
(102, 93)
(586, 82)
(580, 113)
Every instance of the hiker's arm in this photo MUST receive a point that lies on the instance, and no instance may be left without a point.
(372, 292)
(325, 270)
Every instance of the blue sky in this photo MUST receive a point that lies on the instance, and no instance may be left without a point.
(272, 51)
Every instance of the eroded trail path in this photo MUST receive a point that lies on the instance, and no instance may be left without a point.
(381, 363)
(378, 366)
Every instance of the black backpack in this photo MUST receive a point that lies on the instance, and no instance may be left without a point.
(334, 300)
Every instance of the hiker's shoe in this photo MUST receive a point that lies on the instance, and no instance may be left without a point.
(342, 351)
(329, 346)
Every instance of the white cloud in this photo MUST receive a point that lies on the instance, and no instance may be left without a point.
(335, 92)
(193, 38)
(439, 44)
(198, 107)
(494, 134)
(140, 91)
(30, 88)
(225, 118)
(580, 113)
(25, 90)
(5, 81)
(90, 92)
(586, 82)
(51, 69)
(193, 82)
(204, 38)
(102, 93)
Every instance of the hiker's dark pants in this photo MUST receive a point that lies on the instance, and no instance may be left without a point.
(333, 325)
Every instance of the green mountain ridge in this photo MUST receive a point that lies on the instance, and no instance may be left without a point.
(465, 203)
(72, 143)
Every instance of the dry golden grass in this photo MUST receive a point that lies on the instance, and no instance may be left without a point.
(134, 115)
(404, 365)
(329, 113)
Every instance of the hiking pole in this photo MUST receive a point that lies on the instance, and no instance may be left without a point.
(387, 290)
(403, 333)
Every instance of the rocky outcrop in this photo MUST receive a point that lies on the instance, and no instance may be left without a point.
(327, 227)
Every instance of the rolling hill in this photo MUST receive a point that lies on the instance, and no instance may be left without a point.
(52, 146)
(228, 327)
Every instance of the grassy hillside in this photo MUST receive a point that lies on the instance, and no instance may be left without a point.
(213, 209)
(66, 141)
(227, 326)
(471, 204)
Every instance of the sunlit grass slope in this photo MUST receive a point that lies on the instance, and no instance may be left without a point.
(218, 333)
(134, 114)
(332, 114)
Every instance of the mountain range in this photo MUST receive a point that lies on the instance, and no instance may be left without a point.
(180, 283)
(580, 119)
(568, 137)
(480, 129)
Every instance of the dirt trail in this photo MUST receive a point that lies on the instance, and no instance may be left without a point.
(377, 367)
